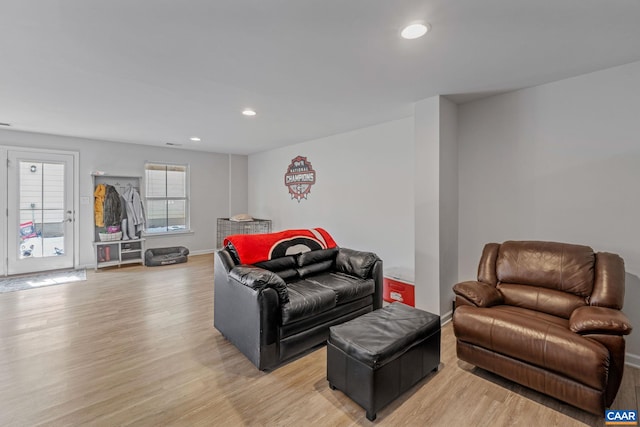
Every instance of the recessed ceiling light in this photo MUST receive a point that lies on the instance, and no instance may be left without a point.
(249, 112)
(414, 31)
(195, 139)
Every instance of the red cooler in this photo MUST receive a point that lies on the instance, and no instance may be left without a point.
(398, 286)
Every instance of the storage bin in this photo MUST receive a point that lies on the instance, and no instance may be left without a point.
(398, 285)
(109, 237)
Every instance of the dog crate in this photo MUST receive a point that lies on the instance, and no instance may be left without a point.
(226, 227)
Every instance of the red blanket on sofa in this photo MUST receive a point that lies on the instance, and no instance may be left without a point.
(253, 248)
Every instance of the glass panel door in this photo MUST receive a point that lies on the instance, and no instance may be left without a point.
(40, 214)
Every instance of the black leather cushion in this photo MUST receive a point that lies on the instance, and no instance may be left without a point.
(347, 288)
(288, 275)
(385, 334)
(313, 257)
(259, 278)
(278, 264)
(355, 263)
(316, 268)
(306, 299)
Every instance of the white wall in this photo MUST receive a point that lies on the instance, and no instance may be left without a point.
(557, 162)
(427, 204)
(436, 189)
(210, 184)
(448, 191)
(363, 194)
(238, 185)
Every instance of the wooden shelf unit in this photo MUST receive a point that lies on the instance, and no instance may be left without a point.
(120, 251)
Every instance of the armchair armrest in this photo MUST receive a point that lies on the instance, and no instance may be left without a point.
(258, 279)
(480, 294)
(599, 320)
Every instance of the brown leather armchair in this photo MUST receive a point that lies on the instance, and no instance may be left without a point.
(547, 315)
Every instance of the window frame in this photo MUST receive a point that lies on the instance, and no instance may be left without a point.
(186, 199)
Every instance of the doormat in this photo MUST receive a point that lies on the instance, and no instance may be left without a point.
(50, 278)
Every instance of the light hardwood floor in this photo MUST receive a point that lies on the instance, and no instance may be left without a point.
(136, 346)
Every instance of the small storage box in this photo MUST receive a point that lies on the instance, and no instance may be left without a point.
(398, 286)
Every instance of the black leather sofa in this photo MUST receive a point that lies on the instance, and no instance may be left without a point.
(277, 309)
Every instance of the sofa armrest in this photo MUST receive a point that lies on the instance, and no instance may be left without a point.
(599, 320)
(365, 265)
(355, 263)
(258, 278)
(248, 317)
(480, 294)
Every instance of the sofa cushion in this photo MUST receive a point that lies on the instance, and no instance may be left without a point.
(306, 299)
(560, 266)
(314, 257)
(355, 263)
(283, 267)
(311, 269)
(288, 275)
(347, 288)
(278, 264)
(519, 333)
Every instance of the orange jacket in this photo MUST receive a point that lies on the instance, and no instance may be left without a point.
(98, 204)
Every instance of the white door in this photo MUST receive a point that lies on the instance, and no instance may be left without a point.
(40, 214)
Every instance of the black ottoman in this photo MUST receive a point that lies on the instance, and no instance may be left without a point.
(376, 357)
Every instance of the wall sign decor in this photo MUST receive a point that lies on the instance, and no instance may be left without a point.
(299, 178)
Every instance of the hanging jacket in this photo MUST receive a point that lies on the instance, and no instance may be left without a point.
(112, 207)
(135, 212)
(98, 204)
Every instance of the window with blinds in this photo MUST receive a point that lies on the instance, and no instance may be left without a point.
(167, 197)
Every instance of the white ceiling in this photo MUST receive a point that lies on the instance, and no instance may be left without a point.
(158, 71)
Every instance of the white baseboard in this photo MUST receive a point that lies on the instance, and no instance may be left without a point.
(446, 318)
(632, 360)
(202, 252)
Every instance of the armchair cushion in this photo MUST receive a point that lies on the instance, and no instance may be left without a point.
(259, 278)
(520, 334)
(599, 320)
(561, 266)
(550, 301)
(481, 294)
